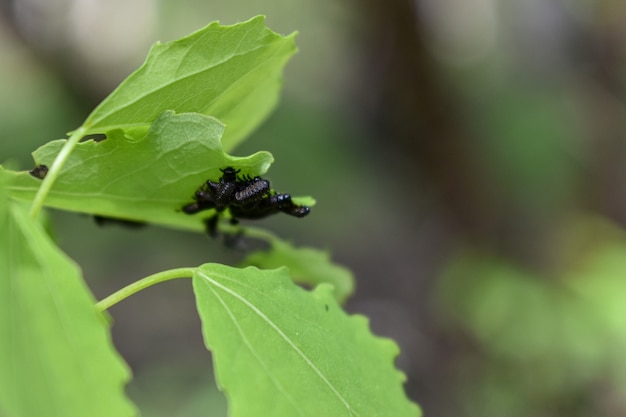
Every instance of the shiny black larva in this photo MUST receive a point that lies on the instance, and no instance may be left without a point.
(245, 198)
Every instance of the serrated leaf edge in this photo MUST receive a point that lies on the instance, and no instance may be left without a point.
(92, 126)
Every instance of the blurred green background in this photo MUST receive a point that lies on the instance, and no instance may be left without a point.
(467, 157)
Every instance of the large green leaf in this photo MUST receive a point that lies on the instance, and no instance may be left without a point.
(230, 72)
(146, 180)
(280, 350)
(308, 266)
(56, 356)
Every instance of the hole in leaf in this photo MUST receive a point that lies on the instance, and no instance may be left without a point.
(96, 137)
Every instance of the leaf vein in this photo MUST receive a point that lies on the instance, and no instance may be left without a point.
(286, 338)
(161, 87)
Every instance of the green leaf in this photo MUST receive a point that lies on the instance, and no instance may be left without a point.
(56, 355)
(308, 266)
(282, 351)
(230, 72)
(146, 180)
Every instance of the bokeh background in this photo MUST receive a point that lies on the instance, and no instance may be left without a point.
(468, 159)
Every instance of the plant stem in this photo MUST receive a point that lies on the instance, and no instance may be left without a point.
(55, 170)
(143, 283)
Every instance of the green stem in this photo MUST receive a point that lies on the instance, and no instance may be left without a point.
(55, 170)
(143, 283)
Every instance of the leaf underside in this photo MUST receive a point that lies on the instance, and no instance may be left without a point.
(147, 180)
(232, 73)
(280, 350)
(168, 125)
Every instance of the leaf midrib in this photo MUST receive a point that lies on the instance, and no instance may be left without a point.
(94, 125)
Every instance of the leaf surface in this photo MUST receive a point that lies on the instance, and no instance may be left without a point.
(56, 355)
(306, 265)
(282, 351)
(232, 73)
(147, 180)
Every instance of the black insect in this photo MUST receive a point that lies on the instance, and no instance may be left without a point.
(40, 171)
(245, 198)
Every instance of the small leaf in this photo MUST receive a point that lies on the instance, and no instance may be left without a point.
(56, 355)
(282, 351)
(230, 72)
(147, 180)
(306, 265)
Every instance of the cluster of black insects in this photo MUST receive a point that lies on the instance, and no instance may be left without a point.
(245, 198)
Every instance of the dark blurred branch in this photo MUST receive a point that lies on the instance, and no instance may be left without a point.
(603, 56)
(417, 117)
